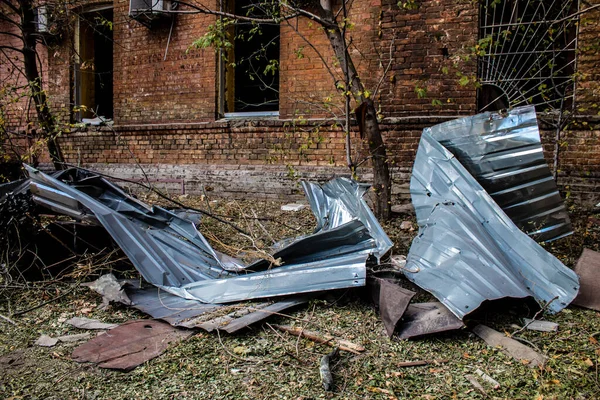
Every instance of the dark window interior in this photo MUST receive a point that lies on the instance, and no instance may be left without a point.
(253, 84)
(94, 73)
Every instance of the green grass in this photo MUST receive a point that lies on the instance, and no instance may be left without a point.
(263, 363)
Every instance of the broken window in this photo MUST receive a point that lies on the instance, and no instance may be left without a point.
(93, 91)
(526, 54)
(249, 70)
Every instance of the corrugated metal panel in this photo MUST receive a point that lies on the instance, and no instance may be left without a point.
(170, 253)
(504, 154)
(468, 250)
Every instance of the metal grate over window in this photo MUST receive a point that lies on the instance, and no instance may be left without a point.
(526, 54)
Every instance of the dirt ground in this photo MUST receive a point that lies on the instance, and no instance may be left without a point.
(261, 363)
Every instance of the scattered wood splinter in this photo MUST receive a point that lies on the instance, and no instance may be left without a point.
(329, 340)
(420, 363)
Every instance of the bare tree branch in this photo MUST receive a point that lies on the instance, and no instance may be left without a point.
(11, 48)
(10, 5)
(305, 39)
(389, 65)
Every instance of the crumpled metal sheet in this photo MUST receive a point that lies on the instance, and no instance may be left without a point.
(130, 344)
(391, 299)
(422, 319)
(185, 313)
(468, 250)
(504, 154)
(170, 253)
(340, 201)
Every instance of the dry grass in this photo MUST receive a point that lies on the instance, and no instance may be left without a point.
(265, 363)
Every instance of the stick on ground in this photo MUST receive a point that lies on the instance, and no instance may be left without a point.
(325, 370)
(319, 338)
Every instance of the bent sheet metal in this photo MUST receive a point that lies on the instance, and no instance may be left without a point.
(170, 253)
(468, 250)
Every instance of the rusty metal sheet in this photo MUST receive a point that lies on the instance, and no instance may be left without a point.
(426, 318)
(130, 344)
(588, 269)
(392, 300)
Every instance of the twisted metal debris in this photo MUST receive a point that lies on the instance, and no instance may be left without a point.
(468, 249)
(171, 254)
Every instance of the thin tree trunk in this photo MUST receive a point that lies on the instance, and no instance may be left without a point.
(45, 117)
(381, 172)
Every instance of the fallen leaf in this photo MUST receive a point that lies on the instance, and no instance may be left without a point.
(588, 362)
(241, 350)
(593, 340)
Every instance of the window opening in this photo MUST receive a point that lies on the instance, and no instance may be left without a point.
(250, 68)
(526, 54)
(94, 66)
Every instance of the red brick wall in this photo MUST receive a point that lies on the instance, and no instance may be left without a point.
(16, 105)
(588, 62)
(149, 89)
(419, 38)
(416, 40)
(165, 110)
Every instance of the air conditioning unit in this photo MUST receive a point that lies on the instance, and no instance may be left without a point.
(148, 9)
(41, 20)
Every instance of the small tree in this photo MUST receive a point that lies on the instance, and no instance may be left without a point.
(19, 19)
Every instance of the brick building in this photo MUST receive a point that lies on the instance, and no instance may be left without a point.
(187, 119)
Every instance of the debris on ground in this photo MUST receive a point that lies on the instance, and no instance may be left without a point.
(488, 379)
(293, 207)
(110, 289)
(181, 312)
(6, 319)
(170, 253)
(325, 370)
(406, 226)
(541, 326)
(46, 341)
(419, 363)
(392, 301)
(398, 262)
(130, 344)
(74, 338)
(88, 323)
(473, 381)
(588, 270)
(426, 318)
(510, 347)
(476, 242)
(329, 340)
